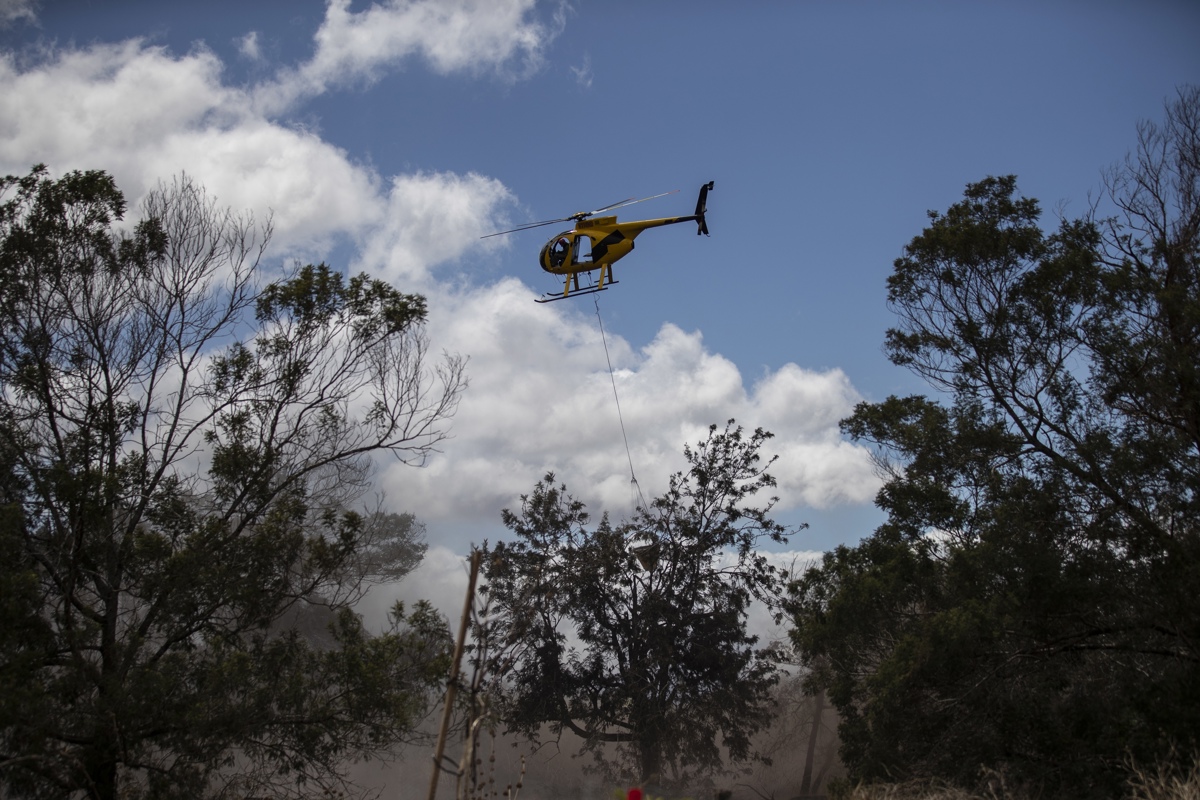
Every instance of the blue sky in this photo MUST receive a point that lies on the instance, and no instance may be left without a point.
(389, 138)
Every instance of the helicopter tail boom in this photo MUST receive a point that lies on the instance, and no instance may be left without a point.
(701, 207)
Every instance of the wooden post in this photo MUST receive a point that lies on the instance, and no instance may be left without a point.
(452, 684)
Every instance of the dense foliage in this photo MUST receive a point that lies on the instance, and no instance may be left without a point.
(633, 637)
(1029, 604)
(179, 452)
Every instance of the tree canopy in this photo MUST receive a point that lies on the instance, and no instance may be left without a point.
(1028, 606)
(633, 636)
(181, 448)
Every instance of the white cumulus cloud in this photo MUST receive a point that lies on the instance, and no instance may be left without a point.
(12, 11)
(142, 115)
(249, 47)
(428, 219)
(450, 36)
(541, 399)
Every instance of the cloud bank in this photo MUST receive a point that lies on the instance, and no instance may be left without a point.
(541, 399)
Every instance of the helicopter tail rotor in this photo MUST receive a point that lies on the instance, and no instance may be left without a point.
(701, 208)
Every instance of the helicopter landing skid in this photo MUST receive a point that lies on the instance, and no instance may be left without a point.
(550, 298)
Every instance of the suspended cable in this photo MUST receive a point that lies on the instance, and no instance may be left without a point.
(620, 417)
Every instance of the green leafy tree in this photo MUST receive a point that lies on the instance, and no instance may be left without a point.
(180, 448)
(633, 637)
(1029, 604)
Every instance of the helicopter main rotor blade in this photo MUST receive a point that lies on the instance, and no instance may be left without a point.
(630, 201)
(527, 226)
(618, 204)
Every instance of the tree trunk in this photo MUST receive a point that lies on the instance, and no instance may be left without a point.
(101, 774)
(649, 745)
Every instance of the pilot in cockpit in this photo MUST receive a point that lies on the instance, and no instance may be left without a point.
(558, 253)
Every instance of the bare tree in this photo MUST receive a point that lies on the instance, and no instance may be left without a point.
(180, 447)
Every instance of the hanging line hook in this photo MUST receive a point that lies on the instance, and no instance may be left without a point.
(620, 417)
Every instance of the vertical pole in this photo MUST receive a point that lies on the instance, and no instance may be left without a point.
(806, 784)
(452, 684)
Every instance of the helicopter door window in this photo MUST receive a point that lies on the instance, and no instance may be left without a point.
(583, 249)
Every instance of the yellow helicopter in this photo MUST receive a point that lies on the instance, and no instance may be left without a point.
(596, 243)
